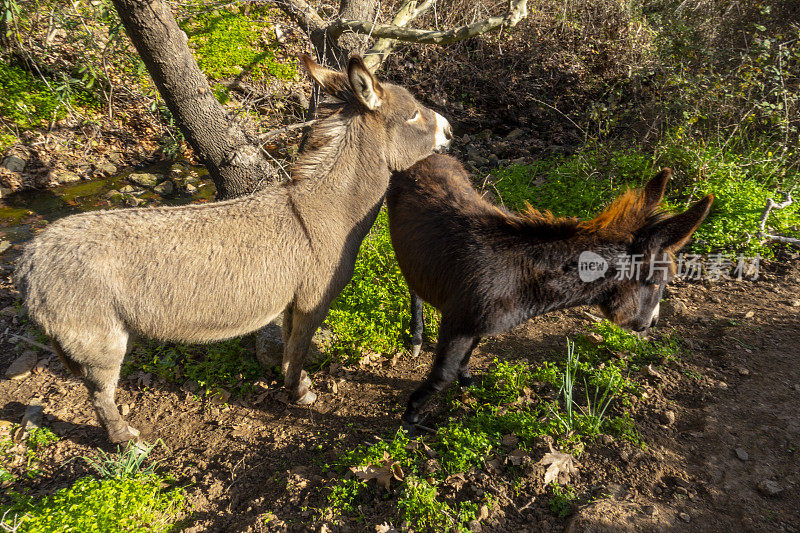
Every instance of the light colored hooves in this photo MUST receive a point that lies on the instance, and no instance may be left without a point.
(307, 399)
(415, 348)
(123, 434)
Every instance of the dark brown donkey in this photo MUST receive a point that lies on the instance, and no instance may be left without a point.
(488, 270)
(203, 273)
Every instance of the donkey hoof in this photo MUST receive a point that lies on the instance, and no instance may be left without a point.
(307, 399)
(123, 434)
(415, 348)
(410, 429)
(465, 380)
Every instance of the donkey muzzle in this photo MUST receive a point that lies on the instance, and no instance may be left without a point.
(444, 134)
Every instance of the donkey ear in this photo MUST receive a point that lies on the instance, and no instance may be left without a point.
(365, 85)
(654, 190)
(330, 81)
(673, 233)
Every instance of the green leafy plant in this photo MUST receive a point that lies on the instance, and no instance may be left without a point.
(562, 500)
(126, 463)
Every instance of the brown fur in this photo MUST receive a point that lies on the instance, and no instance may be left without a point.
(487, 269)
(203, 273)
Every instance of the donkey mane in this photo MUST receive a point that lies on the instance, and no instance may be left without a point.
(325, 140)
(626, 214)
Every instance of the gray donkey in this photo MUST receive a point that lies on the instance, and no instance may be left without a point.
(202, 273)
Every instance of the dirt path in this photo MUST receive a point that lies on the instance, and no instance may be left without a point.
(737, 387)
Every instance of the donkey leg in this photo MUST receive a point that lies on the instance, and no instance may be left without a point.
(102, 384)
(450, 352)
(417, 323)
(286, 328)
(464, 377)
(304, 325)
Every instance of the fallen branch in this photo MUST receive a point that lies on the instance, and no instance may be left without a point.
(517, 12)
(762, 231)
(285, 129)
(32, 343)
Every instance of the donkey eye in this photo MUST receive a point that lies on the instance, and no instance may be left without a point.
(416, 118)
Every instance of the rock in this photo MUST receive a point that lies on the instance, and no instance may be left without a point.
(768, 487)
(131, 201)
(125, 409)
(165, 188)
(667, 417)
(4, 245)
(685, 517)
(494, 160)
(22, 366)
(750, 314)
(105, 168)
(14, 163)
(115, 158)
(9, 310)
(795, 303)
(475, 526)
(476, 158)
(145, 179)
(515, 133)
(32, 419)
(128, 189)
(190, 189)
(743, 371)
(5, 192)
(64, 176)
(650, 510)
(742, 454)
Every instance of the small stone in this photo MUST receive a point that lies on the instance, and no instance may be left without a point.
(494, 160)
(64, 176)
(743, 371)
(145, 179)
(105, 168)
(4, 245)
(128, 189)
(685, 517)
(742, 454)
(668, 417)
(22, 366)
(650, 510)
(190, 189)
(125, 409)
(513, 134)
(32, 419)
(131, 201)
(750, 314)
(165, 188)
(9, 310)
(768, 487)
(795, 303)
(14, 163)
(475, 526)
(115, 157)
(721, 385)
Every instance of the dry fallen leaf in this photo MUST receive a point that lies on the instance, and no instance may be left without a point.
(385, 528)
(562, 466)
(517, 456)
(382, 474)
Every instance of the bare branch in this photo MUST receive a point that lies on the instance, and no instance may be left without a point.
(762, 232)
(285, 129)
(302, 14)
(407, 12)
(517, 12)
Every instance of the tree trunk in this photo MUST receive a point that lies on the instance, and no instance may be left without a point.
(234, 161)
(335, 53)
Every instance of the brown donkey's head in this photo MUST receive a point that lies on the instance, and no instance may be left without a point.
(650, 239)
(403, 129)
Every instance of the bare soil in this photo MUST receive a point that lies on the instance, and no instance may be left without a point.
(737, 386)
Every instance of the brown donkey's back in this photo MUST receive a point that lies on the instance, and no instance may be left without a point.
(208, 272)
(488, 270)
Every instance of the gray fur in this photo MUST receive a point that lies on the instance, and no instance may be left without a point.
(202, 273)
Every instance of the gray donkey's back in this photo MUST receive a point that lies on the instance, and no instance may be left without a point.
(209, 272)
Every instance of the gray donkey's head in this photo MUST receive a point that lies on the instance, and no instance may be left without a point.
(400, 128)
